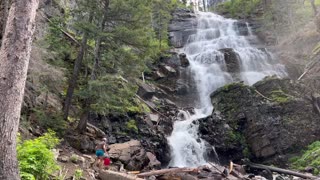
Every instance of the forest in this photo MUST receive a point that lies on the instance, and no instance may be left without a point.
(166, 89)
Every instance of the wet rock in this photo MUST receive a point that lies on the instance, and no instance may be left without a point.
(232, 60)
(241, 28)
(146, 91)
(184, 60)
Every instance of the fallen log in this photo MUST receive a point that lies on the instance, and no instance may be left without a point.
(166, 171)
(107, 175)
(280, 170)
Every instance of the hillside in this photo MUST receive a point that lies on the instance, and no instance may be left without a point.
(170, 84)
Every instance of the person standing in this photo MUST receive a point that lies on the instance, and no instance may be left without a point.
(101, 152)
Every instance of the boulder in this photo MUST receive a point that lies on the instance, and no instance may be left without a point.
(168, 70)
(232, 60)
(146, 91)
(184, 60)
(156, 75)
(63, 159)
(124, 151)
(154, 117)
(133, 156)
(153, 161)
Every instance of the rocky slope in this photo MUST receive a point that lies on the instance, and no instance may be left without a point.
(266, 122)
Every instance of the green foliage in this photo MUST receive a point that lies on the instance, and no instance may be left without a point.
(310, 157)
(135, 34)
(280, 97)
(239, 7)
(78, 174)
(36, 159)
(132, 125)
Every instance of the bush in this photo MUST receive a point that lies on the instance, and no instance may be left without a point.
(132, 125)
(36, 159)
(310, 157)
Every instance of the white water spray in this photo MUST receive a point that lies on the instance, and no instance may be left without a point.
(208, 67)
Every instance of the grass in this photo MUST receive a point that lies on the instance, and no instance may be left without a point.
(280, 97)
(309, 158)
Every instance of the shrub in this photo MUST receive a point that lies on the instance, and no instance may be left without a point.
(132, 125)
(36, 159)
(310, 157)
(78, 174)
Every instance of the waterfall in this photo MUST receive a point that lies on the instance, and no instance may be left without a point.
(210, 71)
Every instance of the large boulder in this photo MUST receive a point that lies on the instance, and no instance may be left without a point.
(267, 121)
(133, 156)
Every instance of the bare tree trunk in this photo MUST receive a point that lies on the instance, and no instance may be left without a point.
(4, 7)
(14, 61)
(5, 14)
(314, 7)
(97, 56)
(76, 71)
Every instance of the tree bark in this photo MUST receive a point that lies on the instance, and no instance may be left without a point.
(314, 7)
(165, 171)
(76, 70)
(14, 60)
(281, 171)
(97, 56)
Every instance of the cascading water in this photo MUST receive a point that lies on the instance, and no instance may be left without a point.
(208, 67)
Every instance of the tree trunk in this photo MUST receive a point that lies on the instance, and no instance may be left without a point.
(97, 55)
(166, 171)
(4, 7)
(314, 7)
(14, 61)
(76, 70)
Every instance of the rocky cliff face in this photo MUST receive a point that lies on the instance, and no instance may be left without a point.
(268, 121)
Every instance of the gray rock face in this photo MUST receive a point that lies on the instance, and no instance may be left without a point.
(232, 60)
(241, 28)
(265, 129)
(181, 27)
